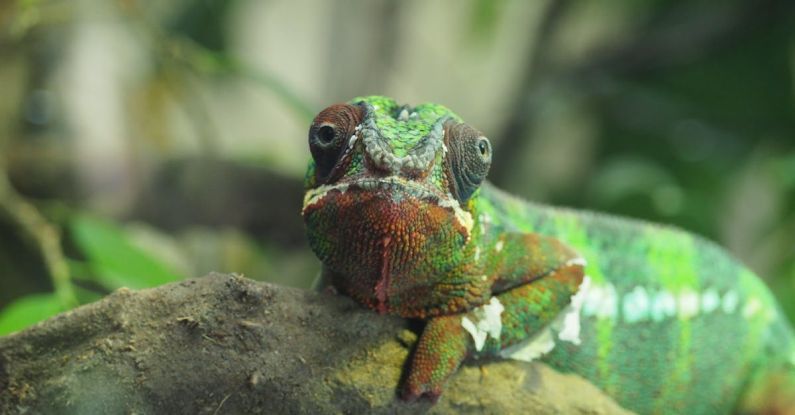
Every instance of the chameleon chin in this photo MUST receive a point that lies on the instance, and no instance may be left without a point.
(398, 210)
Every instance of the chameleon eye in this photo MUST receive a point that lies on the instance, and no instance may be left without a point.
(329, 136)
(468, 159)
(325, 135)
(485, 149)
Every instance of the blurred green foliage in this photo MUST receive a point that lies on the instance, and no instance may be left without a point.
(113, 261)
(29, 310)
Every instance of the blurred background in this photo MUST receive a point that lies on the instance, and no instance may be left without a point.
(143, 142)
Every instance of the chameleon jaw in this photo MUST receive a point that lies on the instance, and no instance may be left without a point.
(393, 185)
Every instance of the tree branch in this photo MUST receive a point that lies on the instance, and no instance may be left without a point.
(42, 234)
(225, 344)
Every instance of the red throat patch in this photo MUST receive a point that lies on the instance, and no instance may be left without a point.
(370, 238)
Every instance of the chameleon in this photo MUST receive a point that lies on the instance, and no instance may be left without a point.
(398, 210)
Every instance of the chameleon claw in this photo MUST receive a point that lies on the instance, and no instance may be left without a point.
(412, 393)
(434, 394)
(439, 352)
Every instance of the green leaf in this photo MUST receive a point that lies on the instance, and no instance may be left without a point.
(27, 311)
(115, 260)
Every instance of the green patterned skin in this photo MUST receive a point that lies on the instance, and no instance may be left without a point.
(398, 211)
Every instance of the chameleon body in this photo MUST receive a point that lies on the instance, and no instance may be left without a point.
(398, 210)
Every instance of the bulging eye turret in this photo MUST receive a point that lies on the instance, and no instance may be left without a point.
(484, 147)
(468, 159)
(329, 135)
(324, 135)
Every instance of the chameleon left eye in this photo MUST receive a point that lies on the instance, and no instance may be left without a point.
(325, 135)
(329, 134)
(485, 149)
(468, 160)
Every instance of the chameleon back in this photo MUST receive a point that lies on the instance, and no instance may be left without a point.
(671, 323)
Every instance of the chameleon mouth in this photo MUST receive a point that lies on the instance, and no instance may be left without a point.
(396, 187)
(391, 185)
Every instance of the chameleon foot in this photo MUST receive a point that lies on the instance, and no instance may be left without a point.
(442, 347)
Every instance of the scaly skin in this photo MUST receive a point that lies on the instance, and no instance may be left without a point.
(398, 211)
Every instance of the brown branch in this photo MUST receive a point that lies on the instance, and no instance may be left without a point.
(225, 344)
(43, 235)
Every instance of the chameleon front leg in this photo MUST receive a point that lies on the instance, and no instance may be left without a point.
(555, 273)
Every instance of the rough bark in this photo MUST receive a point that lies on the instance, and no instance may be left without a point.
(226, 344)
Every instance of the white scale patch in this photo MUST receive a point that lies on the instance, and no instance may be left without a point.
(636, 305)
(577, 261)
(566, 326)
(688, 304)
(602, 302)
(483, 220)
(752, 307)
(531, 349)
(642, 304)
(463, 217)
(663, 306)
(730, 302)
(569, 326)
(710, 301)
(314, 195)
(489, 323)
(498, 246)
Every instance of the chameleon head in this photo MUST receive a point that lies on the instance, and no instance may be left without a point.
(387, 203)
